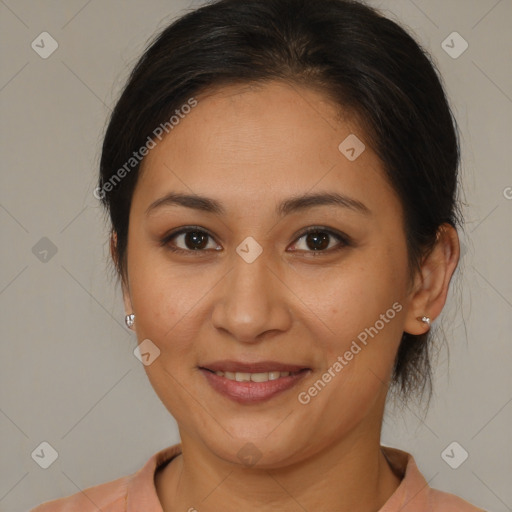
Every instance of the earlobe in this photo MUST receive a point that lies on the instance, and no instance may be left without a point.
(432, 283)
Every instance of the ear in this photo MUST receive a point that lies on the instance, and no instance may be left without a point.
(124, 285)
(431, 283)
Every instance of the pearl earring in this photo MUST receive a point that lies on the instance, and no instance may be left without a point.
(129, 320)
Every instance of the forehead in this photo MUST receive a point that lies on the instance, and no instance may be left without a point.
(261, 140)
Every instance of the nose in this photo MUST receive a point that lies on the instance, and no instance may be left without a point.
(252, 301)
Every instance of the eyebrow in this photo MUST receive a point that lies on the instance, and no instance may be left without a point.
(290, 205)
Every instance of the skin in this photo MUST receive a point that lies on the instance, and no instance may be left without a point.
(251, 148)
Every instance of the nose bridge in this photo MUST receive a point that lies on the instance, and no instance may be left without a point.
(250, 301)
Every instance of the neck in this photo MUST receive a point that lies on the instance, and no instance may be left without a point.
(352, 475)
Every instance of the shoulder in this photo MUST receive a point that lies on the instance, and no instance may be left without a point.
(108, 497)
(443, 501)
(414, 493)
(134, 492)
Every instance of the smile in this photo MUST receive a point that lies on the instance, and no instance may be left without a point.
(257, 383)
(253, 377)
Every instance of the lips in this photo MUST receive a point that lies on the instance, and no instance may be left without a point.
(248, 383)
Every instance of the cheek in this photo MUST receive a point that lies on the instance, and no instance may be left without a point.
(165, 301)
(164, 297)
(352, 296)
(361, 306)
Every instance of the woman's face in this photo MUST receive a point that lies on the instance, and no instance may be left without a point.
(255, 299)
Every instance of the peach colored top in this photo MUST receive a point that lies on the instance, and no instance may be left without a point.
(137, 492)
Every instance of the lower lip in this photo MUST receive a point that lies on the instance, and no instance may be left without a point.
(252, 392)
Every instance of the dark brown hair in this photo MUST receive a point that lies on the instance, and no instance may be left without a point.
(367, 63)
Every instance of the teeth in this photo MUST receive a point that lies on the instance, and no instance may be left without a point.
(259, 377)
(254, 377)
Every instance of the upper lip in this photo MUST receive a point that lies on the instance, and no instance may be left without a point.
(259, 367)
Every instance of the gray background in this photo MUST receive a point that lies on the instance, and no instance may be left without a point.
(68, 375)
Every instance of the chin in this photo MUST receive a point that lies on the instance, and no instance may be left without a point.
(255, 452)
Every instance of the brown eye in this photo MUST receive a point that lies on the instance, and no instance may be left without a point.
(189, 240)
(319, 240)
(195, 240)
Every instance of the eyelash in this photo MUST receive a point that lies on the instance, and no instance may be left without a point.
(341, 237)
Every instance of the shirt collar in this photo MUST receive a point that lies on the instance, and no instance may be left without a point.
(141, 493)
(412, 493)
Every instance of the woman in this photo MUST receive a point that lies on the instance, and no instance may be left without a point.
(281, 179)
